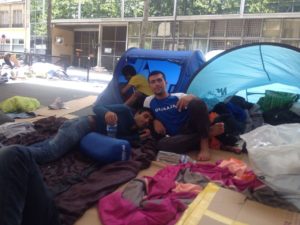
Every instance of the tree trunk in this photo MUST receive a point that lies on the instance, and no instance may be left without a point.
(144, 24)
(49, 31)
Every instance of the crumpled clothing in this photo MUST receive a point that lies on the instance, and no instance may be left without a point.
(9, 130)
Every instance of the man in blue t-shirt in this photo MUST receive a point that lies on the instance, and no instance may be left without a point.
(183, 119)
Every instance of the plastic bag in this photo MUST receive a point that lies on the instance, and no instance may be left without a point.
(274, 154)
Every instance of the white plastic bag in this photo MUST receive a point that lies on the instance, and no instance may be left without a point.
(274, 154)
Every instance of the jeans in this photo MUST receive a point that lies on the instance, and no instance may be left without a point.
(68, 135)
(24, 198)
(195, 128)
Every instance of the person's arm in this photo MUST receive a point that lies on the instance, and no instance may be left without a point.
(109, 112)
(183, 101)
(100, 110)
(126, 88)
(159, 128)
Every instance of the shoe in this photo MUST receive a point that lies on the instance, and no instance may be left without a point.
(57, 104)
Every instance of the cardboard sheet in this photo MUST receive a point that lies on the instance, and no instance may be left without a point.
(72, 106)
(219, 206)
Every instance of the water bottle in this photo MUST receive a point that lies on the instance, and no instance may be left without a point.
(111, 130)
(124, 153)
(185, 159)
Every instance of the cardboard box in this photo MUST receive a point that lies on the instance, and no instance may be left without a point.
(219, 206)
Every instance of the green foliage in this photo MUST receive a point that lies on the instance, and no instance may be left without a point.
(62, 9)
(208, 7)
(38, 18)
(134, 8)
(68, 9)
(211, 7)
(161, 7)
(101, 9)
(259, 6)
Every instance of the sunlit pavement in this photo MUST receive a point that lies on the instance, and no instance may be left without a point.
(97, 81)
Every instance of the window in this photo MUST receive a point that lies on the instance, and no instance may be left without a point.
(185, 44)
(200, 45)
(217, 28)
(164, 29)
(4, 19)
(201, 28)
(186, 29)
(4, 44)
(18, 45)
(234, 28)
(133, 42)
(252, 28)
(232, 43)
(271, 28)
(216, 45)
(134, 29)
(157, 44)
(17, 18)
(291, 28)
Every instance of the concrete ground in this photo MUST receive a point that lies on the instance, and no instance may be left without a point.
(46, 91)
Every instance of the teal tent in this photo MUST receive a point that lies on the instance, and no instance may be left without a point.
(239, 70)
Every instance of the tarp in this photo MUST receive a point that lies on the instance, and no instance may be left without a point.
(178, 66)
(246, 67)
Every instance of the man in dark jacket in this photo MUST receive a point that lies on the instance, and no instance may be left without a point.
(24, 198)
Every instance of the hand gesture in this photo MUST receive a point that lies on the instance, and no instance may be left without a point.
(184, 101)
(146, 133)
(159, 127)
(111, 118)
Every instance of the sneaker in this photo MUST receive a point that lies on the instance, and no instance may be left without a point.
(57, 104)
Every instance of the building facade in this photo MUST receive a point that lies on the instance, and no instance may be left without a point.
(103, 30)
(14, 26)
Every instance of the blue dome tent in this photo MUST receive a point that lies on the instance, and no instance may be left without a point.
(178, 66)
(264, 65)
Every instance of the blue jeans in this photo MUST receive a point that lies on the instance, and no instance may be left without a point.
(24, 198)
(68, 135)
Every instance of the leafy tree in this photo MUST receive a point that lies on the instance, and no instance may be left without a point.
(38, 19)
(209, 7)
(134, 8)
(259, 6)
(161, 7)
(63, 9)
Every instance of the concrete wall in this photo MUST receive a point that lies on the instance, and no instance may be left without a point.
(66, 46)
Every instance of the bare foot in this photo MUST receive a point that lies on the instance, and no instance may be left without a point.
(216, 129)
(204, 155)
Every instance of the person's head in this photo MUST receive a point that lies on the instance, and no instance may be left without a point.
(128, 71)
(143, 117)
(157, 83)
(7, 56)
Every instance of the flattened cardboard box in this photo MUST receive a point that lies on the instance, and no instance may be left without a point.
(219, 206)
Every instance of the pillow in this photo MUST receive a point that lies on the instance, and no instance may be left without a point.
(105, 149)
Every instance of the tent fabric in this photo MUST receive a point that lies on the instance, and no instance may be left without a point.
(178, 66)
(246, 67)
